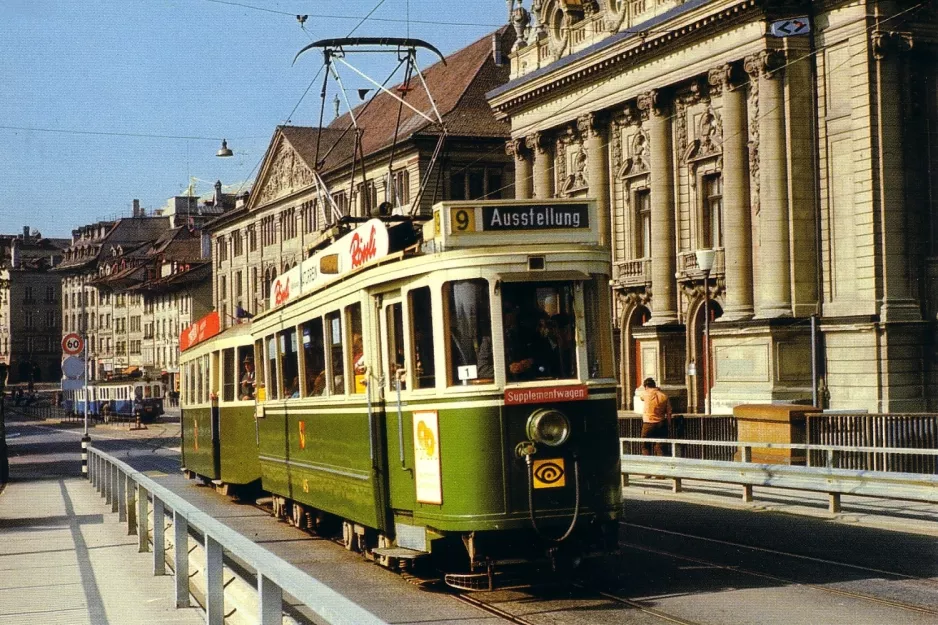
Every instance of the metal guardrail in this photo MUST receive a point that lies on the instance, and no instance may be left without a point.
(130, 493)
(825, 479)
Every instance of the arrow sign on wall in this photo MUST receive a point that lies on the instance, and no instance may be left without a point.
(790, 27)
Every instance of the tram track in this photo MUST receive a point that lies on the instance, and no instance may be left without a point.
(787, 580)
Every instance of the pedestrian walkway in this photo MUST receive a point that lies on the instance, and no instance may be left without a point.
(63, 559)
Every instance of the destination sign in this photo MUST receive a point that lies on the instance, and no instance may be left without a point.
(536, 217)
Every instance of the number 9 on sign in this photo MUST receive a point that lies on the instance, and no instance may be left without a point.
(463, 219)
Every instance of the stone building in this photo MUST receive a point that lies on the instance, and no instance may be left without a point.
(272, 231)
(30, 322)
(793, 138)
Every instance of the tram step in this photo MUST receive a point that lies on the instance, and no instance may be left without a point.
(401, 553)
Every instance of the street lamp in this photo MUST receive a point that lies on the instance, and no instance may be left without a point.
(224, 151)
(705, 263)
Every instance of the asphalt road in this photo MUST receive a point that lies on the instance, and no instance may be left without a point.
(681, 561)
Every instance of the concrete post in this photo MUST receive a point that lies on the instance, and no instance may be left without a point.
(271, 596)
(214, 583)
(539, 144)
(181, 559)
(524, 176)
(775, 255)
(131, 503)
(159, 538)
(898, 300)
(597, 154)
(143, 533)
(663, 244)
(737, 216)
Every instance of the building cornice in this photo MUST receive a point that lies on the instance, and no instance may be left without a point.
(629, 47)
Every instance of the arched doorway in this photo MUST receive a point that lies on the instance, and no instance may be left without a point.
(633, 318)
(701, 355)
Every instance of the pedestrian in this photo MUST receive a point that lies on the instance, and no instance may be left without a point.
(656, 418)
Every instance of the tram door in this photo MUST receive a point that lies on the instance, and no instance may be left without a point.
(394, 365)
(215, 377)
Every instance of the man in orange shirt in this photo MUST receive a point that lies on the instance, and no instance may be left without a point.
(656, 418)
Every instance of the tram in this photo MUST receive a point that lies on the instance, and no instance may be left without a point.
(118, 398)
(217, 403)
(443, 386)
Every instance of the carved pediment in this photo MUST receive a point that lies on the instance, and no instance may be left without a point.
(284, 173)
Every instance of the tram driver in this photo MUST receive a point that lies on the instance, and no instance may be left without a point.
(247, 379)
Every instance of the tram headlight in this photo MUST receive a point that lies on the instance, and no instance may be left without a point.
(549, 427)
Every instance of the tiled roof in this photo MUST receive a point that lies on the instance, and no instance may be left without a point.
(458, 88)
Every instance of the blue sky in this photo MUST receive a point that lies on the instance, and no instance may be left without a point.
(198, 70)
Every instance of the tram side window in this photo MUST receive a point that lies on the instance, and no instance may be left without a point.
(228, 379)
(354, 313)
(395, 329)
(598, 349)
(289, 365)
(539, 322)
(314, 355)
(273, 388)
(421, 315)
(334, 330)
(244, 373)
(470, 331)
(199, 380)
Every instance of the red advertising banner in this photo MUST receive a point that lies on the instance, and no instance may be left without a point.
(205, 328)
(516, 396)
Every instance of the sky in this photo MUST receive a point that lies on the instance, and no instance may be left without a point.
(107, 101)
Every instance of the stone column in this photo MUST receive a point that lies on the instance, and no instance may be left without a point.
(774, 286)
(539, 143)
(663, 247)
(737, 216)
(524, 181)
(593, 128)
(899, 302)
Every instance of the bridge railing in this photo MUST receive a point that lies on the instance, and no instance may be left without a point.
(824, 478)
(130, 493)
(876, 431)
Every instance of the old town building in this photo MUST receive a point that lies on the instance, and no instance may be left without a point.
(273, 230)
(793, 138)
(131, 286)
(30, 322)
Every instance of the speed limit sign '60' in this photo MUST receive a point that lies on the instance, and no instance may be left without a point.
(72, 344)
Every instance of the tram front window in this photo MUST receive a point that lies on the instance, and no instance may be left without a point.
(228, 373)
(421, 315)
(538, 319)
(288, 363)
(470, 331)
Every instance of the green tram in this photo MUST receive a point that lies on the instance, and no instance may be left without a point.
(219, 437)
(442, 386)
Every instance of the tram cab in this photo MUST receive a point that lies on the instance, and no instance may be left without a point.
(453, 388)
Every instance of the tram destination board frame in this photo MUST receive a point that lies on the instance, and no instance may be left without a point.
(463, 223)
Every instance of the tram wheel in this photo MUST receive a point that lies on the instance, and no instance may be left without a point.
(299, 516)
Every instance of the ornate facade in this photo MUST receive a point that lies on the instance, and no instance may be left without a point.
(803, 160)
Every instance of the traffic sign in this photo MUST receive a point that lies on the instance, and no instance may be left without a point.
(72, 344)
(790, 27)
(73, 367)
(72, 385)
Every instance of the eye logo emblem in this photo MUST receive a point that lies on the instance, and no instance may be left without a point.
(549, 473)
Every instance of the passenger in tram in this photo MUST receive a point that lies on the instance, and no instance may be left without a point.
(247, 379)
(317, 383)
(292, 390)
(561, 337)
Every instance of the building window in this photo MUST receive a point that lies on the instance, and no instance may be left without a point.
(642, 202)
(238, 282)
(288, 223)
(30, 320)
(50, 319)
(341, 202)
(50, 294)
(711, 214)
(28, 295)
(237, 242)
(222, 288)
(400, 188)
(476, 183)
(252, 238)
(368, 197)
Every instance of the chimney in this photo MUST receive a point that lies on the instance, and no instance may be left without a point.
(218, 201)
(15, 254)
(137, 209)
(498, 56)
(25, 232)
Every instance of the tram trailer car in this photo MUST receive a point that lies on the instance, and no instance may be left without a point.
(217, 405)
(447, 388)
